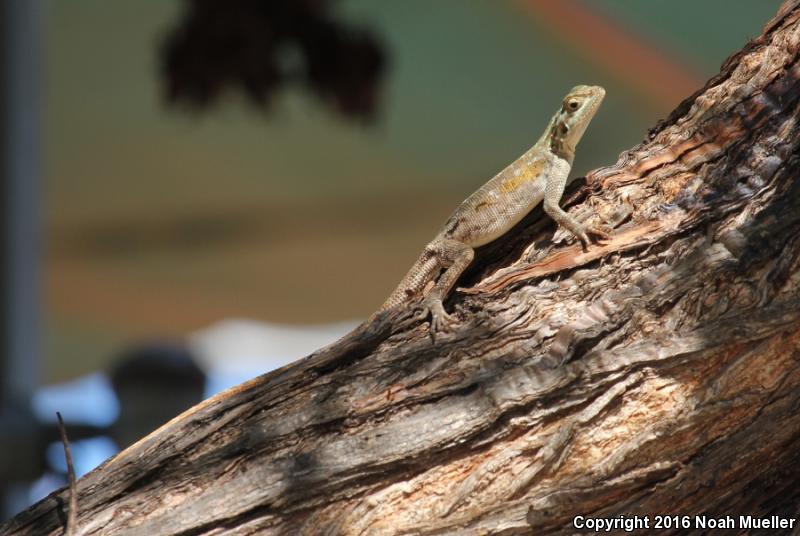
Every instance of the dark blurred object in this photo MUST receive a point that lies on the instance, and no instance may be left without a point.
(154, 383)
(259, 46)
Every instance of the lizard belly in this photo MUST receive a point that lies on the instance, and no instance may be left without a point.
(492, 211)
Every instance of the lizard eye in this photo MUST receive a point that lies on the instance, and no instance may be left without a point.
(573, 105)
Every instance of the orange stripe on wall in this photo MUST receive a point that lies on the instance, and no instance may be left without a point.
(629, 57)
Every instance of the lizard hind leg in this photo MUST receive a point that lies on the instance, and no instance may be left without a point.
(454, 257)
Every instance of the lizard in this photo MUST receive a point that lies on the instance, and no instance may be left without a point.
(540, 175)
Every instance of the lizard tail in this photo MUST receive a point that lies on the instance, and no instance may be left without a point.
(415, 280)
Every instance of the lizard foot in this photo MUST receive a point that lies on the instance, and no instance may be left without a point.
(441, 322)
(584, 232)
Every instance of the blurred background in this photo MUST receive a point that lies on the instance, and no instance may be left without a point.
(197, 192)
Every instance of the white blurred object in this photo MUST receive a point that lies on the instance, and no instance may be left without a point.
(89, 399)
(235, 350)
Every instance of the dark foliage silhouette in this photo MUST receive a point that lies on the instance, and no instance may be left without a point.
(257, 47)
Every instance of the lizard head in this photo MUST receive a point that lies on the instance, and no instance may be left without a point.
(570, 122)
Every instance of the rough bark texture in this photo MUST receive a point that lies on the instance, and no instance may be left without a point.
(654, 374)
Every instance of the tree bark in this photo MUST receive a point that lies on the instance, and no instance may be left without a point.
(656, 373)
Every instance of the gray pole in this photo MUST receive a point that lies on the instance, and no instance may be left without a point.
(20, 171)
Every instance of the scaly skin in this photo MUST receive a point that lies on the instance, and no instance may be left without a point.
(541, 174)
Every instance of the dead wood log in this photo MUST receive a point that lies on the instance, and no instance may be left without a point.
(654, 374)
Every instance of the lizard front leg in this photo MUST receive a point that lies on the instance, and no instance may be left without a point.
(454, 257)
(553, 190)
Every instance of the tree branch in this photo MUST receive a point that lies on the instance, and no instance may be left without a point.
(69, 529)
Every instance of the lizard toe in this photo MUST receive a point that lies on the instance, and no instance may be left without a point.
(596, 231)
(584, 238)
(441, 322)
(441, 325)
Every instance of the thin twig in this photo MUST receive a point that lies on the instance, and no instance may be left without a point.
(72, 513)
